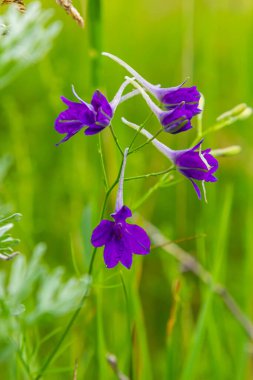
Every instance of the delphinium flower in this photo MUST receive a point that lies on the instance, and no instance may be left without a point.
(120, 238)
(96, 116)
(193, 163)
(173, 121)
(170, 97)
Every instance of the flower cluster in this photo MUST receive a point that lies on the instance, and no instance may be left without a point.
(174, 107)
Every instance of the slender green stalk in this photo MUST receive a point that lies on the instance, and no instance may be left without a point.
(63, 336)
(116, 140)
(147, 142)
(150, 174)
(79, 308)
(25, 364)
(94, 23)
(158, 184)
(139, 130)
(102, 161)
(129, 324)
(95, 42)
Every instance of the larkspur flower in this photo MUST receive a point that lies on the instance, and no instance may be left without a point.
(96, 116)
(170, 97)
(121, 239)
(173, 121)
(193, 163)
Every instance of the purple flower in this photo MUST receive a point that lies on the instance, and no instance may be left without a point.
(120, 238)
(196, 165)
(176, 120)
(171, 97)
(94, 117)
(173, 121)
(192, 163)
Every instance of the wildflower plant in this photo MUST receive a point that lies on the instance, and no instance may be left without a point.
(24, 39)
(7, 242)
(174, 107)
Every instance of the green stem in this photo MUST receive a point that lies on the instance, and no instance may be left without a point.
(79, 308)
(102, 161)
(24, 363)
(65, 333)
(150, 174)
(116, 140)
(151, 191)
(95, 43)
(139, 130)
(147, 142)
(102, 214)
(94, 15)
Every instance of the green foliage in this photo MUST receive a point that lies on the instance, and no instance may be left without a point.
(24, 39)
(154, 331)
(31, 295)
(7, 242)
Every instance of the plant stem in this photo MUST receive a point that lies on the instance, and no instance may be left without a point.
(147, 142)
(100, 152)
(151, 191)
(94, 24)
(95, 43)
(150, 174)
(116, 140)
(138, 132)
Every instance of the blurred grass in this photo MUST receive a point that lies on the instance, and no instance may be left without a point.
(59, 191)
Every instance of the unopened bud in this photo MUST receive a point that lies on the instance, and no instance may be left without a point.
(240, 112)
(226, 152)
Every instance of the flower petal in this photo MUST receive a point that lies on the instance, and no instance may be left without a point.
(212, 161)
(118, 250)
(191, 160)
(73, 119)
(111, 256)
(102, 233)
(122, 214)
(93, 130)
(68, 126)
(77, 111)
(99, 101)
(177, 95)
(194, 173)
(138, 239)
(177, 119)
(196, 188)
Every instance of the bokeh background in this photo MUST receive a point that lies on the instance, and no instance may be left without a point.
(170, 325)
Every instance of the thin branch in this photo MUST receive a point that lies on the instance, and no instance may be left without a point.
(116, 139)
(150, 174)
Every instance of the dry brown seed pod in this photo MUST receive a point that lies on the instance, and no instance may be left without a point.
(19, 3)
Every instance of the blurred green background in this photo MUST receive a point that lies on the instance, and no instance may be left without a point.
(59, 191)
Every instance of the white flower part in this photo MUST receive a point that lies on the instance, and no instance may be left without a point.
(152, 88)
(157, 111)
(143, 81)
(81, 100)
(129, 95)
(117, 98)
(203, 159)
(204, 190)
(120, 200)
